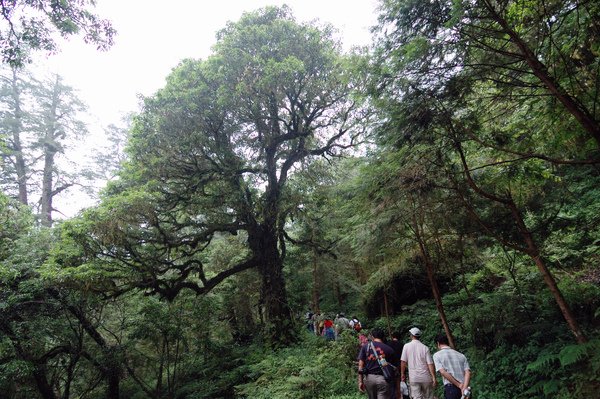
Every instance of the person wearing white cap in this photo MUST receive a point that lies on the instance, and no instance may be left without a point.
(421, 373)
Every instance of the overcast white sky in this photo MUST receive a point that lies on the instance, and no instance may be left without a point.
(153, 36)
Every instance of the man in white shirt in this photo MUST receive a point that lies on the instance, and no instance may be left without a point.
(454, 368)
(421, 375)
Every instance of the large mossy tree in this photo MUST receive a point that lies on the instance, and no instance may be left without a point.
(211, 154)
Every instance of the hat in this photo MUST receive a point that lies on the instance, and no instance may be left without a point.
(415, 331)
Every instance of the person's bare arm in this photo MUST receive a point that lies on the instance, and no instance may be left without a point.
(467, 380)
(403, 370)
(432, 372)
(450, 378)
(361, 383)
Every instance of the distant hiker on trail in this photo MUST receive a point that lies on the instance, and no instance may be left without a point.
(355, 324)
(421, 374)
(328, 331)
(454, 368)
(371, 371)
(310, 325)
(318, 319)
(341, 323)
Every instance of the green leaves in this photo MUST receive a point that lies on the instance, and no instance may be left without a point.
(312, 370)
(36, 28)
(566, 371)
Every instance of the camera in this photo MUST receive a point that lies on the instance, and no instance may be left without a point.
(363, 371)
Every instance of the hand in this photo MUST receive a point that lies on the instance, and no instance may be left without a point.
(434, 383)
(361, 386)
(403, 378)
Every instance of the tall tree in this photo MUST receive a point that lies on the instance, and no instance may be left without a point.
(42, 119)
(56, 123)
(214, 151)
(15, 159)
(528, 243)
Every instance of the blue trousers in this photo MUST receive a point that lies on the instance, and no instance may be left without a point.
(452, 392)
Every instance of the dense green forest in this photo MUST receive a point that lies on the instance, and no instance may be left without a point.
(445, 177)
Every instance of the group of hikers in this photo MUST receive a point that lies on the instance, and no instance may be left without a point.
(383, 366)
(330, 327)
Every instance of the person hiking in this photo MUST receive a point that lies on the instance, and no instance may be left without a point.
(453, 367)
(421, 373)
(310, 325)
(397, 346)
(355, 324)
(328, 330)
(370, 373)
(318, 320)
(341, 323)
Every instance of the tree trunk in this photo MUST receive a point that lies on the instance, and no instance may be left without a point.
(50, 150)
(113, 379)
(435, 290)
(110, 366)
(10, 394)
(359, 272)
(73, 360)
(531, 248)
(41, 380)
(46, 209)
(387, 312)
(534, 252)
(159, 378)
(461, 248)
(316, 286)
(279, 327)
(337, 291)
(17, 147)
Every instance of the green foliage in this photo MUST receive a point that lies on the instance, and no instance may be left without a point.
(36, 27)
(314, 368)
(570, 370)
(15, 222)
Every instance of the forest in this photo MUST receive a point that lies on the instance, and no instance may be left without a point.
(445, 177)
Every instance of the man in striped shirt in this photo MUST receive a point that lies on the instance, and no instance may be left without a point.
(454, 368)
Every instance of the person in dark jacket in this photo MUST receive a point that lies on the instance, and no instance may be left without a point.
(370, 373)
(397, 346)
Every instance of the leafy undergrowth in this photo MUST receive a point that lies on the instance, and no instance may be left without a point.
(314, 368)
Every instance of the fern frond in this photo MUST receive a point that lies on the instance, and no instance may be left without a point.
(543, 362)
(571, 354)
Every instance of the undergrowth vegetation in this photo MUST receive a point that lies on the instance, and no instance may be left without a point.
(516, 346)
